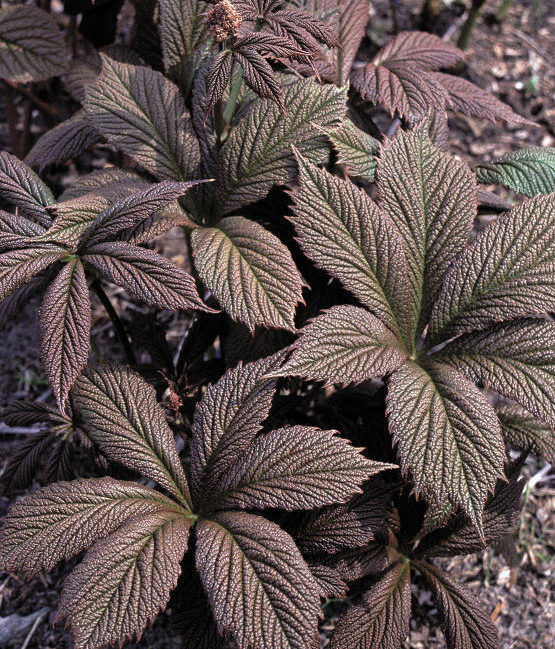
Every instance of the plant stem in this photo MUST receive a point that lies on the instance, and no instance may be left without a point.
(219, 122)
(233, 96)
(468, 26)
(116, 321)
(51, 111)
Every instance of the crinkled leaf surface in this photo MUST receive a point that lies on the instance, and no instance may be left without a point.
(17, 267)
(501, 514)
(63, 142)
(142, 113)
(111, 182)
(465, 624)
(528, 171)
(20, 186)
(31, 43)
(516, 359)
(73, 217)
(448, 437)
(381, 619)
(65, 329)
(125, 580)
(59, 521)
(130, 211)
(467, 98)
(120, 414)
(249, 271)
(527, 433)
(259, 586)
(345, 233)
(227, 419)
(258, 154)
(345, 345)
(508, 271)
(146, 274)
(431, 198)
(421, 50)
(356, 150)
(181, 28)
(300, 467)
(349, 525)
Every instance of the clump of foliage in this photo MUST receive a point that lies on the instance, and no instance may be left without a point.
(335, 283)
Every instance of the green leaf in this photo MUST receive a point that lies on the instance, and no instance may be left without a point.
(257, 154)
(17, 267)
(465, 624)
(63, 142)
(509, 271)
(516, 359)
(356, 150)
(31, 44)
(152, 278)
(118, 411)
(142, 113)
(260, 589)
(345, 345)
(381, 619)
(227, 419)
(181, 28)
(431, 198)
(448, 437)
(65, 322)
(528, 171)
(125, 580)
(249, 271)
(20, 186)
(527, 433)
(345, 233)
(293, 468)
(59, 521)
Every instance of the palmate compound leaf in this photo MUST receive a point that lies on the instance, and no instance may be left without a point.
(227, 419)
(345, 345)
(63, 142)
(144, 273)
(431, 199)
(528, 171)
(258, 153)
(125, 579)
(119, 413)
(17, 267)
(448, 436)
(250, 272)
(527, 433)
(419, 49)
(381, 619)
(509, 271)
(516, 359)
(65, 329)
(20, 186)
(142, 113)
(299, 467)
(259, 586)
(15, 231)
(59, 521)
(465, 624)
(345, 233)
(31, 43)
(356, 150)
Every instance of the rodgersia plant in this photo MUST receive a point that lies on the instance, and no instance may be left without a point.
(222, 497)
